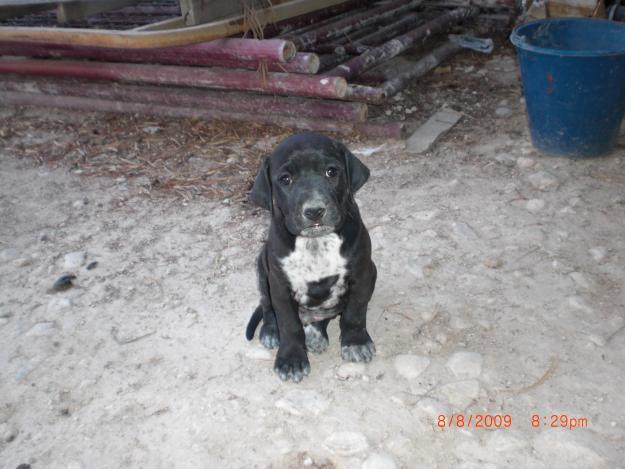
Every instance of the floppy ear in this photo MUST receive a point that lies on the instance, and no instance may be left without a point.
(261, 194)
(357, 172)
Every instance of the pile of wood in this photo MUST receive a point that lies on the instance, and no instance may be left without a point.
(313, 71)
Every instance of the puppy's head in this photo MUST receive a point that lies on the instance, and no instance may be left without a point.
(308, 181)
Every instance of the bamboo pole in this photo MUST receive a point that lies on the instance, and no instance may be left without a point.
(195, 55)
(220, 78)
(371, 129)
(185, 97)
(396, 46)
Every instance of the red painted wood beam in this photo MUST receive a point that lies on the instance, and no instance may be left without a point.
(371, 129)
(301, 62)
(219, 78)
(187, 97)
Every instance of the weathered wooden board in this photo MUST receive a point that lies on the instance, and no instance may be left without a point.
(280, 10)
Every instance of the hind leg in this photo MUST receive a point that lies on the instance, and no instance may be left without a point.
(269, 335)
(317, 336)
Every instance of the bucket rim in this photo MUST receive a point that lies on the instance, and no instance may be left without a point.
(519, 41)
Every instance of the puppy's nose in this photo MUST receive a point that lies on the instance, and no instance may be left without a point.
(314, 213)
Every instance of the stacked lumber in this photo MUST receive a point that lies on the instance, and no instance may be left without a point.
(305, 74)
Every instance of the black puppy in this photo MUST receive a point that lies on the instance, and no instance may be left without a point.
(316, 263)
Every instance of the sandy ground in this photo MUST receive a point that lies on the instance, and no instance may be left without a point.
(500, 297)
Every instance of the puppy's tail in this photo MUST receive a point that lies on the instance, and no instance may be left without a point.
(257, 316)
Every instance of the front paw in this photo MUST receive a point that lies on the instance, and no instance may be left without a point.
(292, 365)
(316, 341)
(357, 347)
(269, 336)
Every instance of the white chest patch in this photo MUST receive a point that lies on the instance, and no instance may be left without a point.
(312, 260)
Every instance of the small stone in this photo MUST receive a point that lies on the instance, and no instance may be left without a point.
(506, 441)
(597, 340)
(74, 260)
(64, 282)
(151, 129)
(42, 328)
(8, 433)
(379, 461)
(346, 443)
(465, 364)
(579, 304)
(524, 162)
(580, 280)
(543, 181)
(350, 371)
(432, 407)
(426, 215)
(503, 111)
(535, 205)
(8, 254)
(461, 393)
(463, 231)
(302, 402)
(22, 262)
(492, 262)
(92, 265)
(419, 266)
(58, 305)
(569, 449)
(410, 366)
(598, 253)
(477, 465)
(259, 353)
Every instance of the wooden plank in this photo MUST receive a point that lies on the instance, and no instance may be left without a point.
(15, 11)
(171, 23)
(146, 39)
(79, 10)
(204, 11)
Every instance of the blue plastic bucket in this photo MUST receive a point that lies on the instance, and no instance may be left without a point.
(573, 73)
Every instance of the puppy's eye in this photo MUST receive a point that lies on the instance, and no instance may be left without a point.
(285, 179)
(331, 172)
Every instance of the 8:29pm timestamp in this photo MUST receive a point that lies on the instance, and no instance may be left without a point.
(558, 421)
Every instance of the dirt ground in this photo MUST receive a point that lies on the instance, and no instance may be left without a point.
(499, 300)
